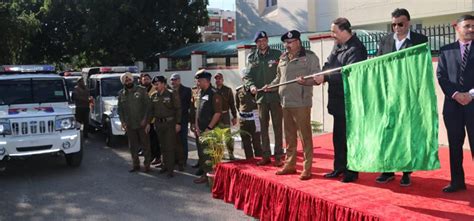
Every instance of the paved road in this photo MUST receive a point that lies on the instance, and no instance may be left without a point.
(44, 188)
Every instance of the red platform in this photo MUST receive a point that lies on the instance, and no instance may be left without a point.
(261, 194)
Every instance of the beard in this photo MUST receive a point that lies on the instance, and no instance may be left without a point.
(129, 85)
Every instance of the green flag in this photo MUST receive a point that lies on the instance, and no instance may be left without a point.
(391, 112)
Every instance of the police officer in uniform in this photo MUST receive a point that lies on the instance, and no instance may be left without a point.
(195, 93)
(296, 100)
(261, 66)
(249, 121)
(228, 103)
(145, 81)
(134, 112)
(166, 109)
(208, 115)
(80, 96)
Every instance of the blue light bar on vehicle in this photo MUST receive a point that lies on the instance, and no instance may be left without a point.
(28, 68)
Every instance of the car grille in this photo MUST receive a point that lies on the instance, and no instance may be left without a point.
(32, 127)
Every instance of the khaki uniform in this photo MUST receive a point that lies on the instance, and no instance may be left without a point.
(249, 122)
(262, 70)
(133, 108)
(209, 103)
(195, 94)
(228, 103)
(166, 110)
(154, 144)
(296, 100)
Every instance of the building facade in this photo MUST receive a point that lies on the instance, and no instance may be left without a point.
(221, 26)
(279, 16)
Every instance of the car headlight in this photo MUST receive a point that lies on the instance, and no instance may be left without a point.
(65, 123)
(5, 128)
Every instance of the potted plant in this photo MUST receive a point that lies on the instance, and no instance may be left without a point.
(215, 144)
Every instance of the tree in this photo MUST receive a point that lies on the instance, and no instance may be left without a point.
(92, 32)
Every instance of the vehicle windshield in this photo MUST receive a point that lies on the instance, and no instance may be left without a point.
(110, 87)
(30, 90)
(71, 83)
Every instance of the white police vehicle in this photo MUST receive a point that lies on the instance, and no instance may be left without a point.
(35, 117)
(104, 85)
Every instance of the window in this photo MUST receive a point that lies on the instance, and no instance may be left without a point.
(271, 3)
(24, 91)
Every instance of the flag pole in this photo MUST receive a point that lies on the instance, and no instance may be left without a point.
(330, 71)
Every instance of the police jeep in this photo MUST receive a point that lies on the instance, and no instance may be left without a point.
(35, 117)
(104, 85)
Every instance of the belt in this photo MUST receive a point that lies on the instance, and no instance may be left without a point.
(246, 114)
(164, 119)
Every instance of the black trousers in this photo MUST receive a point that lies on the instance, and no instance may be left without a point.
(340, 144)
(154, 144)
(457, 122)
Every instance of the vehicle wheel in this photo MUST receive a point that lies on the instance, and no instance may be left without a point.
(109, 137)
(74, 159)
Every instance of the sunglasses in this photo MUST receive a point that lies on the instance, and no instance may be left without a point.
(397, 24)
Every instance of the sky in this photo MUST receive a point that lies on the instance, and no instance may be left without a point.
(222, 4)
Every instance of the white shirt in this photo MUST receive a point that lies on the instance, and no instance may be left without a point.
(399, 43)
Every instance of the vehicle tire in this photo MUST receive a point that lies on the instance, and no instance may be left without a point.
(110, 139)
(74, 159)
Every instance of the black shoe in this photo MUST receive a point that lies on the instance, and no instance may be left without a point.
(349, 178)
(199, 172)
(405, 181)
(195, 166)
(451, 189)
(170, 174)
(134, 169)
(385, 178)
(140, 153)
(333, 174)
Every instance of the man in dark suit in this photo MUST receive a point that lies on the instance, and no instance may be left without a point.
(401, 38)
(347, 49)
(456, 77)
(185, 98)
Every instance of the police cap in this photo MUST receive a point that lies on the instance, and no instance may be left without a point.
(203, 74)
(260, 34)
(293, 34)
(160, 78)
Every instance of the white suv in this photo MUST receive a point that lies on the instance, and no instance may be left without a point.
(104, 85)
(35, 117)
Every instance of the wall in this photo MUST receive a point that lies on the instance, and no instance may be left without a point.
(253, 16)
(380, 10)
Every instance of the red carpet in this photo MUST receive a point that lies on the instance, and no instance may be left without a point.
(261, 194)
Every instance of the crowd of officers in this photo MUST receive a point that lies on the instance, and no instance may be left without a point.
(154, 113)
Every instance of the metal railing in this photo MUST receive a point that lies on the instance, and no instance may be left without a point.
(438, 36)
(279, 46)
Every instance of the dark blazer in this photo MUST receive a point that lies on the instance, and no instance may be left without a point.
(387, 44)
(185, 97)
(449, 65)
(351, 52)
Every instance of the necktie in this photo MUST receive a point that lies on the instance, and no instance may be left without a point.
(465, 55)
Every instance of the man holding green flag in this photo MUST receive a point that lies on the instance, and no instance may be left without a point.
(347, 49)
(399, 39)
(392, 116)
